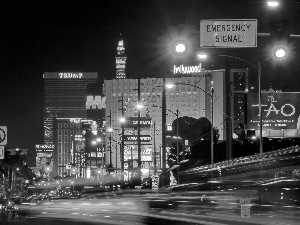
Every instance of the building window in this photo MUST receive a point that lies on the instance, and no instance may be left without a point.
(59, 149)
(65, 125)
(59, 125)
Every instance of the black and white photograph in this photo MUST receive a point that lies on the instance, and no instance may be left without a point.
(149, 112)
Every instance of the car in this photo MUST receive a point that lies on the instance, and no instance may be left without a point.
(11, 208)
(2, 206)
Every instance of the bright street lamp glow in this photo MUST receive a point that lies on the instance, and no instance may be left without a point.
(110, 129)
(273, 3)
(98, 139)
(180, 48)
(202, 56)
(93, 142)
(139, 106)
(280, 53)
(122, 119)
(169, 86)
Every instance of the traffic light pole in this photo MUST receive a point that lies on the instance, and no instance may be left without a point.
(163, 131)
(260, 112)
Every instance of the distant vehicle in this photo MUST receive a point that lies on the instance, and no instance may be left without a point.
(11, 208)
(2, 206)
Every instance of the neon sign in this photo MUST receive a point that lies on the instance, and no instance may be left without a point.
(187, 69)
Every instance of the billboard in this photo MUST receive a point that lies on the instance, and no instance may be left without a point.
(280, 110)
(43, 158)
(44, 155)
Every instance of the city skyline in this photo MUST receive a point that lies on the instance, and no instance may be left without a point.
(55, 37)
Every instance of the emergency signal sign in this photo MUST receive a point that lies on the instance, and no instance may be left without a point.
(231, 33)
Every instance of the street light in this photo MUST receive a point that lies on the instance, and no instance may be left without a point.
(258, 67)
(180, 47)
(273, 3)
(280, 53)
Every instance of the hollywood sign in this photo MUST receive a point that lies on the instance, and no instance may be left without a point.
(187, 69)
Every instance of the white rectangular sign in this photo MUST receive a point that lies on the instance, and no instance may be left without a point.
(2, 152)
(231, 33)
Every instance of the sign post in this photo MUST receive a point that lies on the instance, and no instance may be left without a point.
(231, 33)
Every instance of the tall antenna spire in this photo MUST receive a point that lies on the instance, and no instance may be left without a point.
(121, 60)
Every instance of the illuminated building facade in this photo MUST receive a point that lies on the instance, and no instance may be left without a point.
(189, 100)
(66, 131)
(239, 79)
(121, 61)
(64, 97)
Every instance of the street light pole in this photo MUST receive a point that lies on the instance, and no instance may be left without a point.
(139, 134)
(110, 137)
(212, 127)
(163, 131)
(154, 148)
(259, 102)
(177, 143)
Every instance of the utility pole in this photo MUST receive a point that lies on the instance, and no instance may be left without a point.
(122, 143)
(139, 133)
(228, 111)
(177, 143)
(110, 137)
(212, 127)
(154, 148)
(163, 131)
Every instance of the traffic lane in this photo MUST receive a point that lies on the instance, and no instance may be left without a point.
(116, 219)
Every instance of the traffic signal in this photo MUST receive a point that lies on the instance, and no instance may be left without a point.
(280, 34)
(280, 30)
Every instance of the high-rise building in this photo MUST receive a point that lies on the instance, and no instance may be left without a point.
(65, 97)
(121, 60)
(191, 98)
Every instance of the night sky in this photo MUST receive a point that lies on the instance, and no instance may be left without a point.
(82, 36)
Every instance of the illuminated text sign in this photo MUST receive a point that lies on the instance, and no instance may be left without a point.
(133, 122)
(187, 69)
(279, 111)
(143, 138)
(228, 33)
(44, 146)
(96, 102)
(70, 75)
